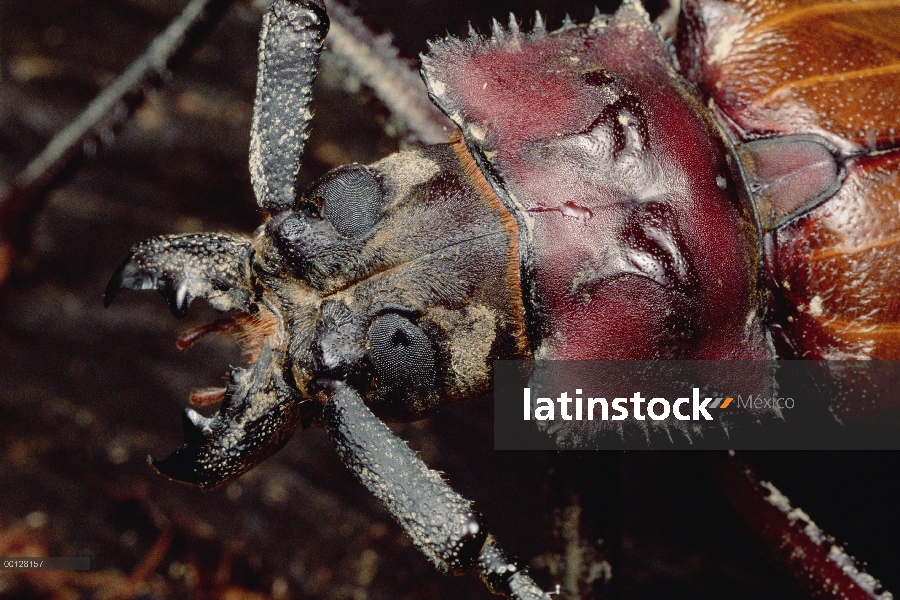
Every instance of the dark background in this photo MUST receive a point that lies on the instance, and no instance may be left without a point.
(86, 394)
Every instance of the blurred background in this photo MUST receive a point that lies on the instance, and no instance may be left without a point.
(86, 394)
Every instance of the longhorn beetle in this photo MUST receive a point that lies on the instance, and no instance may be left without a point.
(595, 205)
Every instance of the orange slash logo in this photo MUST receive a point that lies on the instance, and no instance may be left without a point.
(718, 403)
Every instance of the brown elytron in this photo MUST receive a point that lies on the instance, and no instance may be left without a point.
(829, 69)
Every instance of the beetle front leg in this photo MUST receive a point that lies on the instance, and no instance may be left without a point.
(441, 523)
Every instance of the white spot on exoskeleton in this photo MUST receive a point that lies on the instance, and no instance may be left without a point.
(477, 133)
(471, 334)
(725, 42)
(815, 306)
(406, 170)
(438, 88)
(751, 319)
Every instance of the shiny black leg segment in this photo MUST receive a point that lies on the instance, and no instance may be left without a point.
(440, 522)
(503, 577)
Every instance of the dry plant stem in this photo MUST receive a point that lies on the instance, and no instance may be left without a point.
(94, 127)
(814, 558)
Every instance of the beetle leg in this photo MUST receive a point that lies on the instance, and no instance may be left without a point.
(812, 556)
(291, 40)
(376, 63)
(441, 523)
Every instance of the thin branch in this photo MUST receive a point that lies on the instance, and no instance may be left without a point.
(372, 59)
(93, 127)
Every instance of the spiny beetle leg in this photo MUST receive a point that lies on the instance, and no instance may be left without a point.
(440, 521)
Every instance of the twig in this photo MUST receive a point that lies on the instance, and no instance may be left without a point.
(100, 119)
(370, 58)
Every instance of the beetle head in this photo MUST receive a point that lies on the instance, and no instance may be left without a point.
(400, 278)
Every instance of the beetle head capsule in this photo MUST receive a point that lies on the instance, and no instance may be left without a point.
(398, 278)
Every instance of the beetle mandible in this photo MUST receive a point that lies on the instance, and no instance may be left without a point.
(610, 195)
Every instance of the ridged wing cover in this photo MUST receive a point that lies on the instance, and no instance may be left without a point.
(799, 66)
(831, 69)
(834, 274)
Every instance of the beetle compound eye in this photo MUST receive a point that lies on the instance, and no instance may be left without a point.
(351, 199)
(401, 354)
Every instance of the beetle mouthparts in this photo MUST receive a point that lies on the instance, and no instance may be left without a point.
(258, 415)
(207, 397)
(259, 409)
(181, 464)
(183, 267)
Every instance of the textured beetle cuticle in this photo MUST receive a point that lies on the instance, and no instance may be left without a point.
(609, 195)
